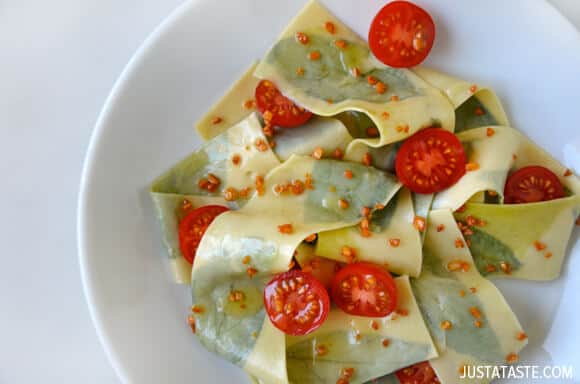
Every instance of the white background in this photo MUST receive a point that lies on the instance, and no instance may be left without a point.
(58, 61)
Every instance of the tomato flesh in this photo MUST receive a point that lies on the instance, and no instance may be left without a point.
(532, 184)
(193, 226)
(277, 109)
(364, 289)
(296, 302)
(431, 160)
(401, 34)
(420, 373)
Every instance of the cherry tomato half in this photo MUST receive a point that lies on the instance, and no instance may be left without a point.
(193, 226)
(431, 160)
(532, 184)
(420, 373)
(401, 34)
(282, 111)
(364, 289)
(296, 302)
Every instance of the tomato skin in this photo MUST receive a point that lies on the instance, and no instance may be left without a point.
(528, 185)
(420, 373)
(401, 34)
(431, 160)
(363, 301)
(283, 294)
(193, 226)
(284, 112)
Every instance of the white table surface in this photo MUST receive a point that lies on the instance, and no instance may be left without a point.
(58, 61)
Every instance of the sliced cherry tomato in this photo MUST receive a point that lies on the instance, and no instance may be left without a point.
(431, 160)
(420, 373)
(401, 34)
(277, 108)
(532, 184)
(364, 289)
(296, 302)
(193, 226)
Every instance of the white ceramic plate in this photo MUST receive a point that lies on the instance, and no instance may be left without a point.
(523, 49)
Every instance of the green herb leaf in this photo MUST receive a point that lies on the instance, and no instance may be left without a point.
(487, 250)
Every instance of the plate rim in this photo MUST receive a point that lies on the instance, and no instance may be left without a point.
(86, 174)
